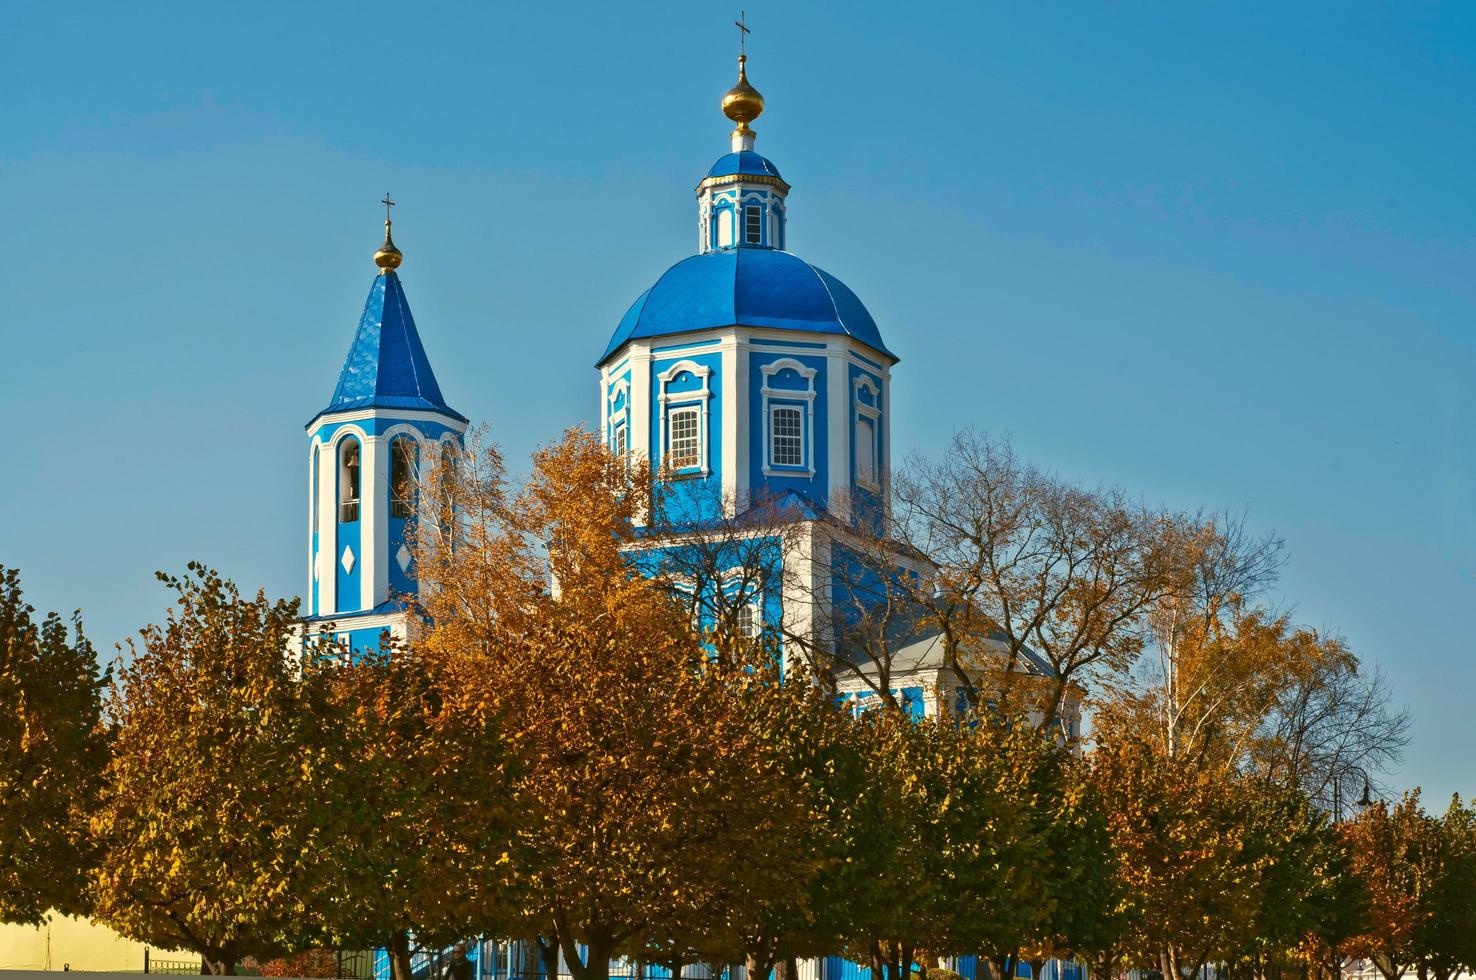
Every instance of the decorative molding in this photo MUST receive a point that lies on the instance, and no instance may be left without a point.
(727, 179)
(682, 399)
(397, 414)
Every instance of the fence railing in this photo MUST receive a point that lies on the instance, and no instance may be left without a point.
(193, 967)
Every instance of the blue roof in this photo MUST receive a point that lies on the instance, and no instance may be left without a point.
(743, 162)
(387, 366)
(748, 287)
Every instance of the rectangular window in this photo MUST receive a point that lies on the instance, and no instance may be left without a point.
(684, 438)
(786, 436)
(865, 451)
(748, 622)
(753, 224)
(621, 440)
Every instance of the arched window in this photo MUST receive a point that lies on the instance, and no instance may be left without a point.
(446, 492)
(402, 478)
(348, 482)
(866, 452)
(725, 228)
(750, 625)
(448, 468)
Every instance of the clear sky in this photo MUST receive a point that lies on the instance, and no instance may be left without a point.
(1222, 255)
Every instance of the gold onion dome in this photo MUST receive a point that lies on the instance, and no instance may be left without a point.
(388, 257)
(742, 103)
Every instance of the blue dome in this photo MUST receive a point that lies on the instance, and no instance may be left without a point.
(749, 287)
(744, 162)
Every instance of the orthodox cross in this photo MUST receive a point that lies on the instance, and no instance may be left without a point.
(743, 31)
(387, 205)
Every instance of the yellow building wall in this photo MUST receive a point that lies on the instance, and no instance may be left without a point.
(78, 943)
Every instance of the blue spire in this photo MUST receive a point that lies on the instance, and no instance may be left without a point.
(387, 366)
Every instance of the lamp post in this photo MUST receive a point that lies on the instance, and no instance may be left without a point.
(1363, 803)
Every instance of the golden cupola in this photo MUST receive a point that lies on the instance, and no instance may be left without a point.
(743, 104)
(388, 258)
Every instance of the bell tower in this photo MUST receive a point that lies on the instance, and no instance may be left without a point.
(385, 422)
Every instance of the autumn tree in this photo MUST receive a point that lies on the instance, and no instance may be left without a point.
(1300, 888)
(1036, 587)
(1445, 938)
(1417, 870)
(432, 811)
(629, 794)
(52, 751)
(1182, 852)
(222, 812)
(969, 871)
(1083, 897)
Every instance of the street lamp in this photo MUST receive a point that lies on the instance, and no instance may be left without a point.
(1364, 802)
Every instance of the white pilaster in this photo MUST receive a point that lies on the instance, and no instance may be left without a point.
(837, 404)
(374, 523)
(605, 406)
(314, 469)
(804, 591)
(328, 547)
(885, 449)
(640, 398)
(734, 403)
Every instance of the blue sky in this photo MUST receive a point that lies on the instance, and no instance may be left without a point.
(1219, 254)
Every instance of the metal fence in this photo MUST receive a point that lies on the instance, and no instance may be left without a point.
(193, 967)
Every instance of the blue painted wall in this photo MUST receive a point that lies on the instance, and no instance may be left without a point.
(757, 424)
(691, 494)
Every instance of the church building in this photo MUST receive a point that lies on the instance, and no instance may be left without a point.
(748, 377)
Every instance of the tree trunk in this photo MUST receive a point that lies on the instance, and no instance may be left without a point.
(399, 954)
(548, 954)
(596, 962)
(755, 968)
(878, 965)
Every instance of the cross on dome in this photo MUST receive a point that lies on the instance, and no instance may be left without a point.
(742, 103)
(388, 258)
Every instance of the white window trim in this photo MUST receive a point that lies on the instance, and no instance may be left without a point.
(773, 409)
(618, 418)
(871, 413)
(758, 225)
(804, 399)
(682, 399)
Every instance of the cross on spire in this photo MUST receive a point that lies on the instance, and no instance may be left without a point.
(743, 31)
(387, 205)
